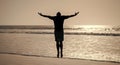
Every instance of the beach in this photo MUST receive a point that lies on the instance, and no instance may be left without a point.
(102, 48)
(78, 45)
(9, 59)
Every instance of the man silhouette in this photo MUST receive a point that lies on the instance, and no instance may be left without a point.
(58, 26)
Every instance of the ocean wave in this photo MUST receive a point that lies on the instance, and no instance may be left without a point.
(48, 29)
(66, 33)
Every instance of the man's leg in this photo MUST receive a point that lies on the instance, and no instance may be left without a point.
(61, 46)
(57, 46)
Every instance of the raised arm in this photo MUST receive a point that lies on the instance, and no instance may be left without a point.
(45, 15)
(68, 16)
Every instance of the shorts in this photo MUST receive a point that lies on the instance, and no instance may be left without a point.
(59, 36)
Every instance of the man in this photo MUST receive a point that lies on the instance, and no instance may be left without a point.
(58, 26)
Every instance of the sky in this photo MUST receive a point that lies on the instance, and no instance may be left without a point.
(92, 12)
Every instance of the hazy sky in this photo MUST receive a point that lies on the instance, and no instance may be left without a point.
(92, 12)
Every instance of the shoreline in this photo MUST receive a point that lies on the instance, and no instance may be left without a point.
(18, 54)
(8, 59)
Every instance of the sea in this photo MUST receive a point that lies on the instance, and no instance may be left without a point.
(90, 42)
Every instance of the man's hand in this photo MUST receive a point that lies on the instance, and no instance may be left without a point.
(76, 13)
(40, 13)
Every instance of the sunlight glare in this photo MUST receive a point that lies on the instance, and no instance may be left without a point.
(90, 28)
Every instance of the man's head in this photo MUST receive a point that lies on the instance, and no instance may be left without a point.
(58, 14)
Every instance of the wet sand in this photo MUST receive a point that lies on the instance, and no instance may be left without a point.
(8, 59)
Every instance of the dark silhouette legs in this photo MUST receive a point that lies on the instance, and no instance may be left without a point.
(59, 45)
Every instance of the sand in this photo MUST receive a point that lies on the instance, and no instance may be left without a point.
(9, 59)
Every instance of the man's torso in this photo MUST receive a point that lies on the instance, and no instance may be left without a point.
(58, 23)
